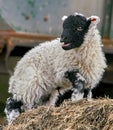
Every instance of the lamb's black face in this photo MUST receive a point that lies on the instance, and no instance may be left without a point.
(74, 30)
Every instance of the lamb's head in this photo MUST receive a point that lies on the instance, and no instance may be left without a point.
(75, 27)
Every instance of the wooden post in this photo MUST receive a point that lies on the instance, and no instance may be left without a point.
(106, 28)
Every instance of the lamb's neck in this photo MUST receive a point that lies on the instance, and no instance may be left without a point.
(89, 50)
(91, 45)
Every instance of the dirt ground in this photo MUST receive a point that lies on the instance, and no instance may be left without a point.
(83, 115)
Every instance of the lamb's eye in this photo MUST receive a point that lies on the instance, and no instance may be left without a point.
(79, 29)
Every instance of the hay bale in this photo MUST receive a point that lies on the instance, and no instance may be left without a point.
(82, 115)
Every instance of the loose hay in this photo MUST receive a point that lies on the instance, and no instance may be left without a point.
(82, 115)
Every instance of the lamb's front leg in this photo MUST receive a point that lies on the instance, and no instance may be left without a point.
(78, 82)
(78, 90)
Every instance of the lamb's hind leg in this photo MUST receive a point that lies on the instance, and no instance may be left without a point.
(88, 93)
(61, 97)
(12, 109)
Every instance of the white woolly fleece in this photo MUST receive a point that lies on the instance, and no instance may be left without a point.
(42, 69)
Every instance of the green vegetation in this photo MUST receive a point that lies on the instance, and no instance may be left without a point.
(4, 79)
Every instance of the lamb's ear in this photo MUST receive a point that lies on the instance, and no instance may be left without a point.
(94, 20)
(64, 18)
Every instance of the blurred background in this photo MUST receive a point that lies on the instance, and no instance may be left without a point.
(24, 24)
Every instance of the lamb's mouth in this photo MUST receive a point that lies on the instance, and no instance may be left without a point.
(65, 45)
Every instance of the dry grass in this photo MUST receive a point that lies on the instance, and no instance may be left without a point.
(82, 115)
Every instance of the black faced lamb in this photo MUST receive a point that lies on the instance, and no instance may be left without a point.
(74, 61)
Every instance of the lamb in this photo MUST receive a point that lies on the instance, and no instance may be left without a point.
(75, 62)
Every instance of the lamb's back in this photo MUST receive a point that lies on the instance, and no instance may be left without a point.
(36, 64)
